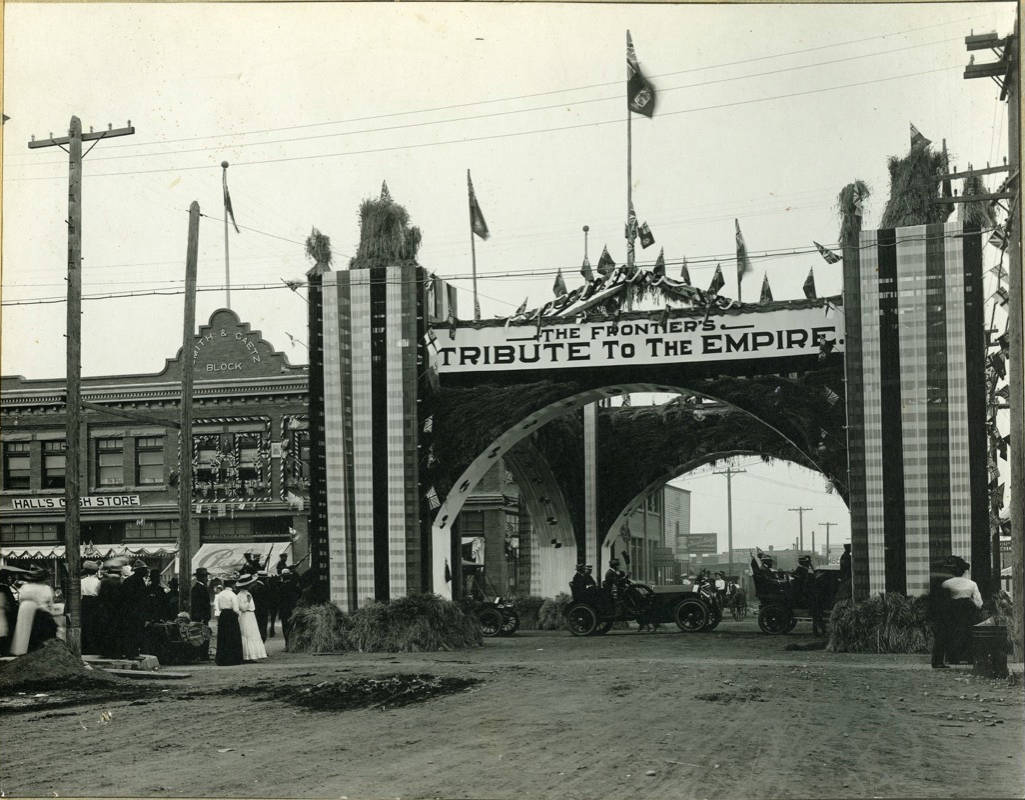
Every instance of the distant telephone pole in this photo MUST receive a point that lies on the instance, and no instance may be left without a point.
(800, 524)
(828, 526)
(729, 472)
(72, 452)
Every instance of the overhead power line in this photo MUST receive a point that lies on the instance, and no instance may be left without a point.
(753, 59)
(512, 134)
(509, 112)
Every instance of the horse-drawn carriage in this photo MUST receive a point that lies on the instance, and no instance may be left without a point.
(784, 600)
(594, 610)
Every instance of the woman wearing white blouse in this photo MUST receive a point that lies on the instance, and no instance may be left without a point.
(252, 645)
(229, 635)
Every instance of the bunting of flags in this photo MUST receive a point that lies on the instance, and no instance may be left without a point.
(809, 285)
(743, 262)
(640, 93)
(659, 270)
(717, 280)
(585, 270)
(605, 263)
(766, 290)
(559, 287)
(826, 253)
(477, 223)
(644, 232)
(684, 272)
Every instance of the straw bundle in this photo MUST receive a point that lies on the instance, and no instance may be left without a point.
(319, 628)
(847, 203)
(418, 623)
(551, 616)
(978, 213)
(318, 248)
(886, 623)
(914, 183)
(527, 609)
(386, 238)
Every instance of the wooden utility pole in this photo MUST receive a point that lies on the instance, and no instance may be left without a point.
(828, 526)
(187, 367)
(1006, 73)
(729, 472)
(800, 525)
(73, 461)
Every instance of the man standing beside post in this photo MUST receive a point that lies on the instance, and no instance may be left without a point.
(199, 605)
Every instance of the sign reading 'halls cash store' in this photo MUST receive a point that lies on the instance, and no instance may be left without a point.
(100, 501)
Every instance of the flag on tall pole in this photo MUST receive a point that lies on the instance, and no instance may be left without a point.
(809, 285)
(743, 262)
(229, 213)
(585, 270)
(640, 94)
(826, 253)
(646, 237)
(717, 280)
(766, 290)
(479, 228)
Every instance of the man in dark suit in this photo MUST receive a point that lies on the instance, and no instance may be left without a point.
(260, 597)
(199, 597)
(133, 609)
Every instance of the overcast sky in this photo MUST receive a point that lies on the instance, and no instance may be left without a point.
(764, 113)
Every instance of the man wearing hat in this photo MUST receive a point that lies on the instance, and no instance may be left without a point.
(199, 596)
(956, 601)
(90, 605)
(582, 582)
(261, 597)
(288, 598)
(133, 609)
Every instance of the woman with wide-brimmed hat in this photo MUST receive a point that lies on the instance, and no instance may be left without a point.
(35, 613)
(252, 644)
(229, 635)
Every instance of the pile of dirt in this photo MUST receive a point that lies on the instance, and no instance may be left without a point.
(50, 668)
(752, 695)
(387, 691)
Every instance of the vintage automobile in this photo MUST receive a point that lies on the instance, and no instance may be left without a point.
(496, 614)
(783, 602)
(594, 611)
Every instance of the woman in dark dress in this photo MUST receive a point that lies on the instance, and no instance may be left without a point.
(229, 634)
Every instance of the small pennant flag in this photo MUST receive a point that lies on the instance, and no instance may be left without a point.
(1001, 296)
(743, 262)
(717, 280)
(917, 139)
(766, 290)
(521, 308)
(429, 424)
(451, 325)
(659, 270)
(647, 240)
(663, 319)
(996, 361)
(631, 223)
(448, 572)
(1003, 392)
(1004, 443)
(684, 272)
(826, 253)
(999, 237)
(385, 194)
(640, 94)
(432, 498)
(585, 270)
(228, 210)
(809, 285)
(477, 223)
(832, 397)
(605, 263)
(559, 287)
(825, 348)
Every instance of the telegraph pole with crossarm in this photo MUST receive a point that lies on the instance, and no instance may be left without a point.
(72, 490)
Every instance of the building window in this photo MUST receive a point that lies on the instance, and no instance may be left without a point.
(54, 458)
(248, 448)
(17, 465)
(110, 462)
(149, 461)
(654, 502)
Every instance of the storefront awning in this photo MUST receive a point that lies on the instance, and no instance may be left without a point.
(223, 558)
(94, 552)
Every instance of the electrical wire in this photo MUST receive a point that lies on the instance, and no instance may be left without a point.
(512, 134)
(494, 114)
(828, 46)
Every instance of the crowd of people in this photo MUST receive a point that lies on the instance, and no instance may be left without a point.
(127, 609)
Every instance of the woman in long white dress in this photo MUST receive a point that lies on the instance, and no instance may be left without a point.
(252, 644)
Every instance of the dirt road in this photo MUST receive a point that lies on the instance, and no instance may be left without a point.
(724, 715)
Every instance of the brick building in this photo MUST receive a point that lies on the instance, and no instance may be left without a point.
(250, 456)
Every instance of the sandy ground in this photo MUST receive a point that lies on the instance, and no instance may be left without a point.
(729, 714)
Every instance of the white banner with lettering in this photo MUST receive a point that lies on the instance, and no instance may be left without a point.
(99, 501)
(733, 337)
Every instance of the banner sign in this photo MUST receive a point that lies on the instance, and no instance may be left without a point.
(561, 344)
(697, 543)
(57, 503)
